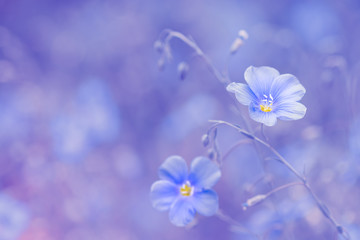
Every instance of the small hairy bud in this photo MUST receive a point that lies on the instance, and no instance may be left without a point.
(205, 140)
(183, 69)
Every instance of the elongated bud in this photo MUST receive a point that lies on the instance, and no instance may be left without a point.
(205, 140)
(183, 69)
(254, 200)
(236, 45)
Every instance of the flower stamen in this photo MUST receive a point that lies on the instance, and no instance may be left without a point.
(186, 189)
(267, 103)
(265, 108)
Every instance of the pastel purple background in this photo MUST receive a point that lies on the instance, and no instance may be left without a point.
(86, 118)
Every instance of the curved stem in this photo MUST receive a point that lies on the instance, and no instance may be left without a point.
(169, 34)
(283, 187)
(319, 204)
(261, 197)
(191, 43)
(233, 147)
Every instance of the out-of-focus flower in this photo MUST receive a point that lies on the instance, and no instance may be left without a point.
(14, 217)
(93, 120)
(185, 193)
(270, 95)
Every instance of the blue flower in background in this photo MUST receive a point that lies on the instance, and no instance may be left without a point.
(14, 217)
(270, 95)
(93, 119)
(185, 193)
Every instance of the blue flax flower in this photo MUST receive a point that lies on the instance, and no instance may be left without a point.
(185, 193)
(270, 95)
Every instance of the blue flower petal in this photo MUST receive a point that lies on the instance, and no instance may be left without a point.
(174, 169)
(287, 87)
(243, 93)
(290, 111)
(204, 173)
(267, 118)
(260, 79)
(206, 202)
(182, 212)
(163, 194)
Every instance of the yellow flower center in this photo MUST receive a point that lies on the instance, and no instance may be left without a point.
(265, 108)
(268, 102)
(186, 190)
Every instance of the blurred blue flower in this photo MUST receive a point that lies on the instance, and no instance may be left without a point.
(270, 95)
(185, 193)
(93, 119)
(14, 217)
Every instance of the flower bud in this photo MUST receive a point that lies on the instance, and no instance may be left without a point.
(236, 45)
(183, 69)
(211, 154)
(205, 140)
(239, 41)
(254, 200)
